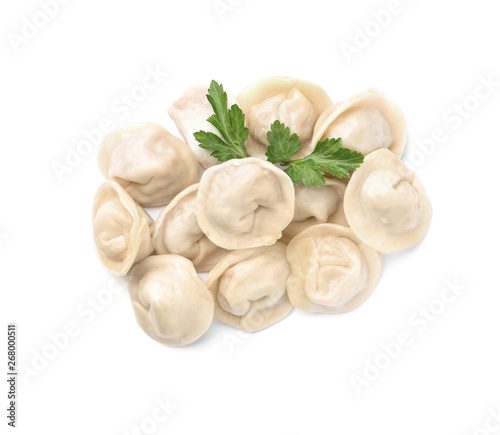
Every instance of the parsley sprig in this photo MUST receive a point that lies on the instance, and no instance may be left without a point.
(328, 156)
(229, 123)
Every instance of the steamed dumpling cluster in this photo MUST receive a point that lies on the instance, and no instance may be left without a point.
(267, 245)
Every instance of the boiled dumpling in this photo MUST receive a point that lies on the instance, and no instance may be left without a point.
(332, 270)
(177, 232)
(122, 229)
(190, 113)
(386, 204)
(296, 103)
(148, 162)
(316, 205)
(171, 302)
(365, 122)
(244, 203)
(249, 287)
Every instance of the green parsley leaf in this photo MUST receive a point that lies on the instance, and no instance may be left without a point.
(229, 123)
(282, 145)
(332, 158)
(328, 156)
(307, 172)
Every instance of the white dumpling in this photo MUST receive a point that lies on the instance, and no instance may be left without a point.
(386, 204)
(190, 113)
(122, 229)
(244, 203)
(316, 205)
(177, 232)
(148, 162)
(332, 270)
(365, 122)
(294, 102)
(171, 302)
(249, 287)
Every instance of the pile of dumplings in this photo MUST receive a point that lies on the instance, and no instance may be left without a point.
(267, 245)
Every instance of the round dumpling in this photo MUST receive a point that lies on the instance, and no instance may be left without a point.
(332, 270)
(386, 204)
(148, 162)
(171, 302)
(190, 113)
(122, 229)
(177, 232)
(316, 205)
(244, 203)
(294, 102)
(365, 122)
(249, 287)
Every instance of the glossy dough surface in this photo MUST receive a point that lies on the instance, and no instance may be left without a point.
(171, 302)
(386, 204)
(296, 103)
(177, 232)
(244, 203)
(148, 162)
(190, 113)
(122, 229)
(332, 270)
(366, 122)
(249, 287)
(316, 205)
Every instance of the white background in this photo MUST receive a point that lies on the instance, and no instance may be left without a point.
(295, 377)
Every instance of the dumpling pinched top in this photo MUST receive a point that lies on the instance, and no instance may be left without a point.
(190, 113)
(366, 122)
(294, 102)
(249, 287)
(316, 205)
(171, 302)
(122, 229)
(386, 204)
(177, 232)
(244, 203)
(148, 162)
(332, 270)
